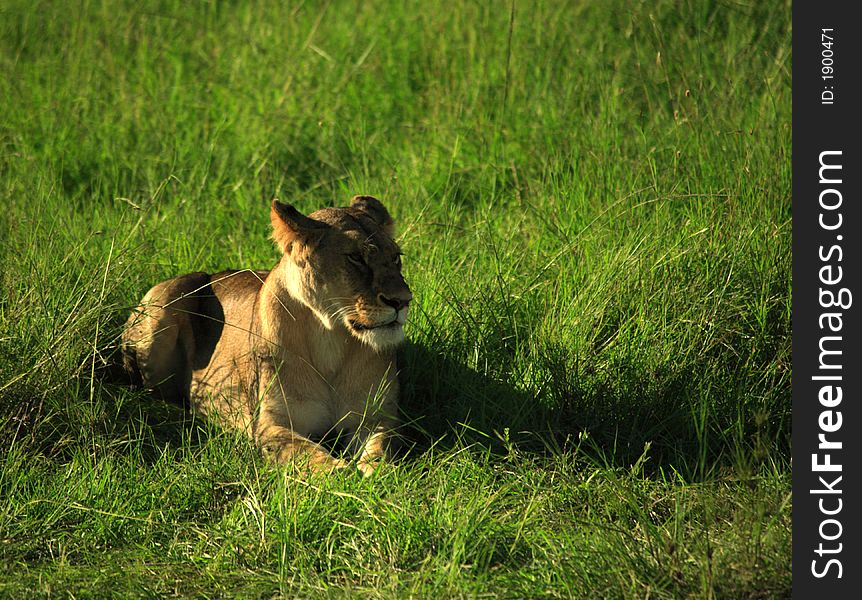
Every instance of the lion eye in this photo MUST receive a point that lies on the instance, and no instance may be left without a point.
(356, 259)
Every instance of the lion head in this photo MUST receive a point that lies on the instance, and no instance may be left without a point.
(344, 265)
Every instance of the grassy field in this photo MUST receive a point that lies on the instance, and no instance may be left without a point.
(594, 202)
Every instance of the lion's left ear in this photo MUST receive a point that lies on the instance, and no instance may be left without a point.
(374, 209)
(289, 226)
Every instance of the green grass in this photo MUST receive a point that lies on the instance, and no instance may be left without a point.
(594, 202)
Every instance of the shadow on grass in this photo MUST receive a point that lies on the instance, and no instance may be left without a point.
(105, 413)
(660, 420)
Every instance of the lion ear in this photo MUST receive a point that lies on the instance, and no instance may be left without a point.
(374, 209)
(289, 226)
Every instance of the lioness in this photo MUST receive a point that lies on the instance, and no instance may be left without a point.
(292, 354)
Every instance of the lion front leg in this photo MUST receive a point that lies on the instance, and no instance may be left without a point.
(373, 443)
(275, 432)
(282, 445)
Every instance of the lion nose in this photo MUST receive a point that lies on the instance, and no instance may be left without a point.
(396, 303)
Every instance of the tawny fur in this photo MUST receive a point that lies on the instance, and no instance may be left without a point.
(292, 354)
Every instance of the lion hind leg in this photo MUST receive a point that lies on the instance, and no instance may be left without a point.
(158, 340)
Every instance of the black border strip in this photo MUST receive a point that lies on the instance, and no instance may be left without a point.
(827, 224)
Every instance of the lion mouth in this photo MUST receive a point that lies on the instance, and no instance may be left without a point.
(357, 326)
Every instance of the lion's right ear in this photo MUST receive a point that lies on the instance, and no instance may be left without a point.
(289, 226)
(374, 209)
